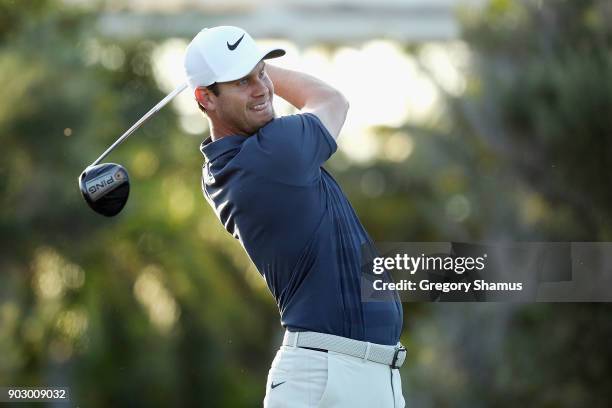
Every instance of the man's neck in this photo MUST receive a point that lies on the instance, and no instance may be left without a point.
(219, 132)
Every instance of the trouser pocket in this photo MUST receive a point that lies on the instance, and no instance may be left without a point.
(297, 379)
(357, 383)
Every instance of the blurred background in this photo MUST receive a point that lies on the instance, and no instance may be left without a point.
(482, 120)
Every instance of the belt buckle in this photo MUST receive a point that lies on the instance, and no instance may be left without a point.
(397, 360)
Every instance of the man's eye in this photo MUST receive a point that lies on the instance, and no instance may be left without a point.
(243, 82)
(261, 74)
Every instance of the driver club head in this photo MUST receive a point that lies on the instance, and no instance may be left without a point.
(105, 187)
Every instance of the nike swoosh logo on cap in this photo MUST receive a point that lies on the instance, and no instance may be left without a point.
(232, 47)
(272, 386)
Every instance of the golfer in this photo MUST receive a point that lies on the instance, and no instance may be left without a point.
(263, 177)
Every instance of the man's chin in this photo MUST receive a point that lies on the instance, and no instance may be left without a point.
(264, 122)
(272, 117)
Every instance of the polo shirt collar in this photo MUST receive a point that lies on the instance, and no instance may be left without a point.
(211, 150)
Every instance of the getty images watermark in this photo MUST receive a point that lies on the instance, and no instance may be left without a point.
(458, 265)
(453, 271)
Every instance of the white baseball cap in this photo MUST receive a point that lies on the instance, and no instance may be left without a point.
(222, 54)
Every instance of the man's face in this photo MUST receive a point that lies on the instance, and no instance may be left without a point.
(245, 105)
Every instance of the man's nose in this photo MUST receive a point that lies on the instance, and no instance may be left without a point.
(260, 87)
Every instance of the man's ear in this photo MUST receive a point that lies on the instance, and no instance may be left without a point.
(205, 98)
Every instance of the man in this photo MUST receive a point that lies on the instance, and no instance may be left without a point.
(263, 177)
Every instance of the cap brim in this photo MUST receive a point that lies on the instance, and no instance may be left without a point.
(243, 71)
(274, 53)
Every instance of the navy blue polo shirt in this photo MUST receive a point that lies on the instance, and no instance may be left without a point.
(270, 192)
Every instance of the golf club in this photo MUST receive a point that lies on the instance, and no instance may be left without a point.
(105, 187)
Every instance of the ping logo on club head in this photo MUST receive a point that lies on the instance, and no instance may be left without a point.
(104, 183)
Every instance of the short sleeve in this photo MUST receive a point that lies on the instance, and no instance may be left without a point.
(318, 140)
(293, 147)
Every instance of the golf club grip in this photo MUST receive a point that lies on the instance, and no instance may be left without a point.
(139, 123)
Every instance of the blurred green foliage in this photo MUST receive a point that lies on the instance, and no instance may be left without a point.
(541, 86)
(526, 146)
(151, 308)
(160, 307)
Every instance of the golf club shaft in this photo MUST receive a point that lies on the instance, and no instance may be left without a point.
(142, 120)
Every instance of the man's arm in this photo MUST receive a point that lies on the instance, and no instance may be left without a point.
(310, 94)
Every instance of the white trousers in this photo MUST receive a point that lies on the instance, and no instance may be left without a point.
(304, 378)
